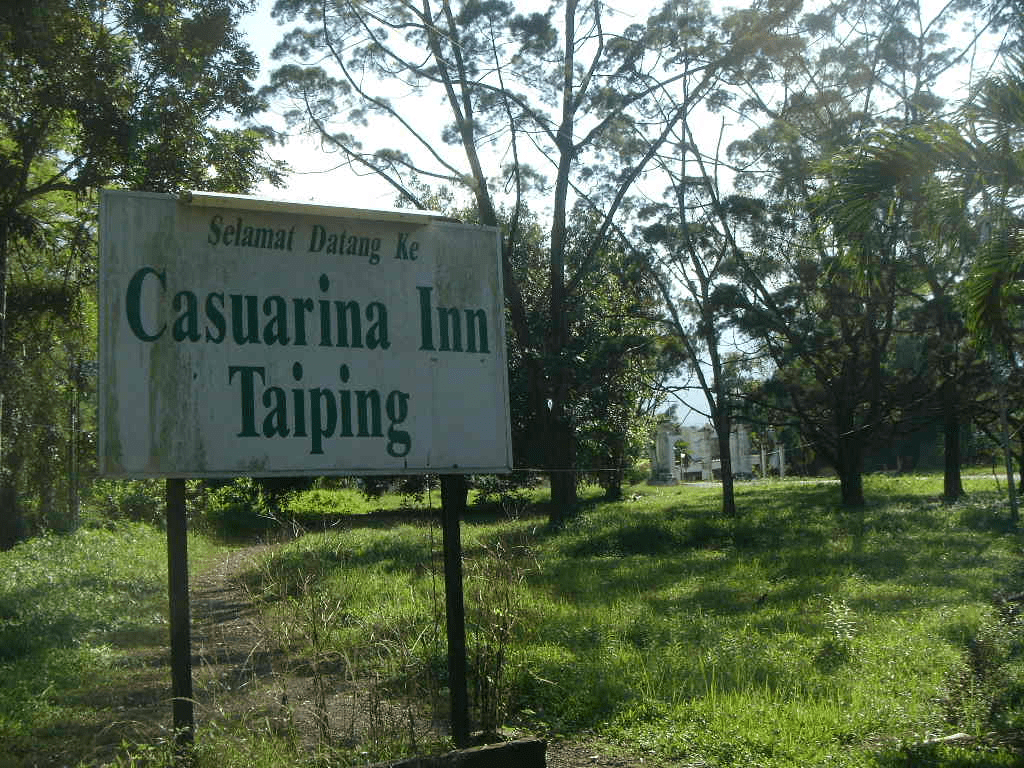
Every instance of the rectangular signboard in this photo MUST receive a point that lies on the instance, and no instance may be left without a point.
(245, 337)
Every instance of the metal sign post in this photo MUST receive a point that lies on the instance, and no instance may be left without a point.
(453, 503)
(181, 635)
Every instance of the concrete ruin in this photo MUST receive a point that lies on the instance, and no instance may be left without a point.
(699, 460)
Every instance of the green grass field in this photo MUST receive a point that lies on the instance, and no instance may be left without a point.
(797, 634)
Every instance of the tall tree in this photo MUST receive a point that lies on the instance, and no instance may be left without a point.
(115, 92)
(623, 359)
(829, 302)
(968, 177)
(565, 104)
(695, 272)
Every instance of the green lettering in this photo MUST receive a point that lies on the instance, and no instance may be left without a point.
(350, 327)
(133, 303)
(275, 423)
(399, 440)
(449, 327)
(320, 430)
(317, 238)
(215, 315)
(276, 329)
(248, 392)
(240, 313)
(302, 306)
(426, 323)
(214, 236)
(186, 326)
(377, 335)
(476, 327)
(368, 413)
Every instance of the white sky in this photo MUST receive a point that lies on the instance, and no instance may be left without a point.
(313, 177)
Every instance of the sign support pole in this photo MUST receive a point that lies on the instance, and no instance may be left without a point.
(181, 640)
(453, 504)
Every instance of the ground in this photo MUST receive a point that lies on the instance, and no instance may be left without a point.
(239, 675)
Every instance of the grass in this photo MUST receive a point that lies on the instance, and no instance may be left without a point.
(797, 634)
(75, 612)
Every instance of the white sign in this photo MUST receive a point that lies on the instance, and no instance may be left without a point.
(240, 336)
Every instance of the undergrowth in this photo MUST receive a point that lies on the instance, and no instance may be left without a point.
(796, 634)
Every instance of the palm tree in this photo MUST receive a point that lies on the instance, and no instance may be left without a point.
(963, 182)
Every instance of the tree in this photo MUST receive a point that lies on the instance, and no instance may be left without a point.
(116, 93)
(830, 303)
(969, 175)
(695, 273)
(559, 105)
(623, 360)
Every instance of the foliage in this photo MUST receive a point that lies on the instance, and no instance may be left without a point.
(798, 634)
(576, 104)
(122, 93)
(959, 179)
(73, 610)
(985, 692)
(64, 591)
(233, 510)
(135, 500)
(852, 307)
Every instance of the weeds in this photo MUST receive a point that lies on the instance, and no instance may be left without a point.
(837, 647)
(985, 692)
(495, 598)
(653, 622)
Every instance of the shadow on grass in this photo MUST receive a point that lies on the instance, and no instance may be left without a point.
(940, 756)
(658, 564)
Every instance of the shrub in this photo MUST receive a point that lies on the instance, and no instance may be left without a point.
(637, 473)
(235, 510)
(136, 500)
(412, 488)
(985, 691)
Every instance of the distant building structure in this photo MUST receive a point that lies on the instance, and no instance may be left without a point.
(664, 467)
(700, 459)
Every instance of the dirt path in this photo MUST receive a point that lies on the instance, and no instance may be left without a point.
(239, 675)
(229, 650)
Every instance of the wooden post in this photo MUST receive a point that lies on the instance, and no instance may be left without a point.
(453, 504)
(181, 638)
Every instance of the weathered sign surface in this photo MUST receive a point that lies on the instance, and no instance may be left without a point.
(238, 336)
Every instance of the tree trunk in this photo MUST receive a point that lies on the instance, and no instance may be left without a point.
(723, 429)
(562, 463)
(612, 475)
(1020, 463)
(1007, 452)
(613, 483)
(952, 484)
(851, 478)
(12, 522)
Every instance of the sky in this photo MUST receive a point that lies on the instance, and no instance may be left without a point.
(314, 177)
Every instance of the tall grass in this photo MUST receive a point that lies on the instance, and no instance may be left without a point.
(794, 634)
(73, 610)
